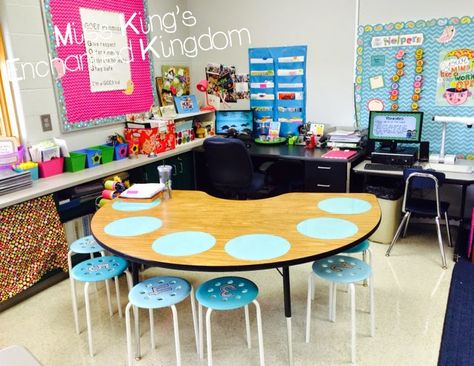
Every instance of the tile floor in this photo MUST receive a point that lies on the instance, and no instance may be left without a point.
(411, 295)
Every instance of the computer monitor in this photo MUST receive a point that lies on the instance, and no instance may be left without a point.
(391, 128)
(240, 121)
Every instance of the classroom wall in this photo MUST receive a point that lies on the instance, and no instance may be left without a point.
(328, 30)
(326, 27)
(22, 25)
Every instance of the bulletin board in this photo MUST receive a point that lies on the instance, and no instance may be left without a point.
(425, 66)
(100, 74)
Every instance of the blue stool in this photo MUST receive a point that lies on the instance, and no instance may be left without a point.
(363, 248)
(85, 245)
(227, 293)
(95, 270)
(156, 293)
(343, 270)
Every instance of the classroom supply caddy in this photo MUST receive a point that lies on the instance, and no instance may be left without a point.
(278, 88)
(151, 140)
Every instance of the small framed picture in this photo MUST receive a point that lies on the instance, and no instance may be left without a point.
(186, 104)
(168, 111)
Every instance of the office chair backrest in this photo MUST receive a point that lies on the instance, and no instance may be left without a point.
(229, 163)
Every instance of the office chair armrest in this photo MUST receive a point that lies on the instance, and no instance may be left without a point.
(263, 168)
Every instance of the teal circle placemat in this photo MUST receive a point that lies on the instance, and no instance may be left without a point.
(133, 226)
(183, 243)
(134, 206)
(327, 228)
(344, 206)
(254, 247)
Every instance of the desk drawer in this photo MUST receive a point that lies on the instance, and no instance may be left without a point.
(325, 176)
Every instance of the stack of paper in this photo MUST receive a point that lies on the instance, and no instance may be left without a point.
(11, 181)
(344, 139)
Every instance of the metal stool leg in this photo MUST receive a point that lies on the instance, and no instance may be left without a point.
(201, 333)
(107, 289)
(367, 258)
(260, 333)
(129, 334)
(308, 306)
(397, 234)
(152, 329)
(88, 318)
(372, 306)
(247, 326)
(353, 323)
(334, 298)
(136, 315)
(117, 293)
(73, 292)
(195, 325)
(176, 335)
(313, 286)
(440, 242)
(208, 336)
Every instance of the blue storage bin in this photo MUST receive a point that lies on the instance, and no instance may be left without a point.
(93, 157)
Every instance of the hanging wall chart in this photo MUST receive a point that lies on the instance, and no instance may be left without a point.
(424, 65)
(98, 50)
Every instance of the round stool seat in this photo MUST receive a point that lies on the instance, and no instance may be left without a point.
(342, 269)
(226, 293)
(359, 248)
(99, 269)
(159, 292)
(86, 245)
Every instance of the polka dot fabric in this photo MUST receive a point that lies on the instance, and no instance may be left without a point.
(32, 243)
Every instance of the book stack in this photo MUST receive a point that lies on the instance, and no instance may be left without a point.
(344, 139)
(11, 181)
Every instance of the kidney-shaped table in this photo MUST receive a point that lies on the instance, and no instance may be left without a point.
(193, 231)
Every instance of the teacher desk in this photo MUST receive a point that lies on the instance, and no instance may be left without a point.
(313, 225)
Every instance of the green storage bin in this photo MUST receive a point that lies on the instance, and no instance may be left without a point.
(75, 162)
(107, 153)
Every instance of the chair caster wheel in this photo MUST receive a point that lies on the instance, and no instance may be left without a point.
(138, 358)
(387, 255)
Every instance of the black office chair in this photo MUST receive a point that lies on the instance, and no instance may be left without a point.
(416, 178)
(231, 170)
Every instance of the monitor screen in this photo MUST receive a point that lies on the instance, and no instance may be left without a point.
(395, 126)
(240, 121)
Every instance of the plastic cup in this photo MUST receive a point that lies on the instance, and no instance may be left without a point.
(165, 173)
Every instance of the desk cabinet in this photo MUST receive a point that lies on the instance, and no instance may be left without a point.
(326, 176)
(183, 171)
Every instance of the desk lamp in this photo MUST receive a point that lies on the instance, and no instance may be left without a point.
(202, 87)
(442, 157)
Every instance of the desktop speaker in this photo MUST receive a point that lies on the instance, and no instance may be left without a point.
(424, 152)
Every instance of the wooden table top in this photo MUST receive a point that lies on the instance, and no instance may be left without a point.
(228, 219)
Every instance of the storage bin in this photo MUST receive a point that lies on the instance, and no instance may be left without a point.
(93, 156)
(120, 151)
(107, 153)
(75, 162)
(7, 160)
(49, 168)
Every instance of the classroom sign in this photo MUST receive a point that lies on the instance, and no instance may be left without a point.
(456, 78)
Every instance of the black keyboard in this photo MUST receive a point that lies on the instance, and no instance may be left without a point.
(385, 167)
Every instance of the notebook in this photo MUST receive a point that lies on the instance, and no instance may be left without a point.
(143, 190)
(339, 154)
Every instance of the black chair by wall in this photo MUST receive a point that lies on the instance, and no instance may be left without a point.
(231, 171)
(425, 180)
